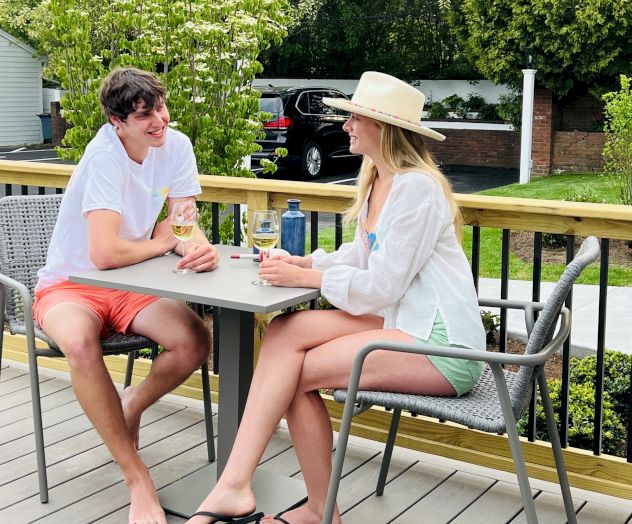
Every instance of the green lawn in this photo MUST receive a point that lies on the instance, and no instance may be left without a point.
(591, 187)
(574, 187)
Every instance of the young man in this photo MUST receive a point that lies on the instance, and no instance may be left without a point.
(107, 220)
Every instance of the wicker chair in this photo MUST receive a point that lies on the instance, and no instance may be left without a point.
(26, 226)
(496, 402)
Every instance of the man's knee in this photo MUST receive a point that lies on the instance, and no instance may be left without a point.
(193, 341)
(81, 350)
(201, 344)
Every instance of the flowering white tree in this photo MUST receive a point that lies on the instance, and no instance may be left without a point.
(205, 52)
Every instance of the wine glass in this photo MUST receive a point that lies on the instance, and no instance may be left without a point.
(183, 224)
(265, 236)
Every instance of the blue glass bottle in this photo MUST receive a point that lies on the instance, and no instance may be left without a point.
(293, 229)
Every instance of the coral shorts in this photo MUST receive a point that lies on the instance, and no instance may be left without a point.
(116, 309)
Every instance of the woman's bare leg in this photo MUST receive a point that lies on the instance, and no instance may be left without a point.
(272, 389)
(329, 366)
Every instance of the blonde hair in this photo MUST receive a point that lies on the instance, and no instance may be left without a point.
(402, 151)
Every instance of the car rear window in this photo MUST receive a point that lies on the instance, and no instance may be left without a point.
(318, 107)
(272, 105)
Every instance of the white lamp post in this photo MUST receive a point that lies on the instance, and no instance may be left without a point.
(528, 88)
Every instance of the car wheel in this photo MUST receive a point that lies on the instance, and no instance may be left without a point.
(313, 160)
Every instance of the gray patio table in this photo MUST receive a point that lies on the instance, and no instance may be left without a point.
(228, 287)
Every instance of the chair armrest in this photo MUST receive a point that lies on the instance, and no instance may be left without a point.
(466, 354)
(25, 295)
(529, 308)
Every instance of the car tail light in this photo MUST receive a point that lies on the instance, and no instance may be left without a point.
(283, 122)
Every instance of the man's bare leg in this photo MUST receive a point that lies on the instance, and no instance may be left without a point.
(186, 345)
(76, 330)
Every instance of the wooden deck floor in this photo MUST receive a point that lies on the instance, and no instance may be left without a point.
(86, 486)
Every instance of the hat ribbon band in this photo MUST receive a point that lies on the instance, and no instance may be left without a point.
(397, 117)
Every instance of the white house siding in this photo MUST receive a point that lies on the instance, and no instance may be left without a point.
(20, 93)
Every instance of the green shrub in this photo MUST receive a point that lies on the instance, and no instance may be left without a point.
(582, 195)
(436, 111)
(553, 240)
(617, 151)
(616, 397)
(488, 112)
(457, 104)
(510, 108)
(453, 101)
(474, 102)
(491, 322)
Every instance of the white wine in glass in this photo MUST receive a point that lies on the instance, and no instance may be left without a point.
(265, 236)
(183, 223)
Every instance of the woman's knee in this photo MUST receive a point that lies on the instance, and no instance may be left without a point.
(283, 334)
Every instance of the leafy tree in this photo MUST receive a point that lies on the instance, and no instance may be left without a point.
(343, 38)
(204, 51)
(577, 45)
(15, 17)
(617, 151)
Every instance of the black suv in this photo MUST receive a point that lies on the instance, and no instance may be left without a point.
(310, 130)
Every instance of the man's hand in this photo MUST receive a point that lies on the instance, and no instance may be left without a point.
(200, 256)
(163, 233)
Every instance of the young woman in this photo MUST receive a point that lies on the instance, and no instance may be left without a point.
(403, 278)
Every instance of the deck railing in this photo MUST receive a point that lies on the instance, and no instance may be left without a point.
(588, 469)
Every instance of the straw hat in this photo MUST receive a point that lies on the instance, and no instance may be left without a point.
(387, 99)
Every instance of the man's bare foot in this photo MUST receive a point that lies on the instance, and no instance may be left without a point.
(233, 502)
(132, 419)
(301, 515)
(144, 505)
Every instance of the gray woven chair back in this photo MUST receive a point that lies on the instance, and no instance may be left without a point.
(26, 226)
(547, 319)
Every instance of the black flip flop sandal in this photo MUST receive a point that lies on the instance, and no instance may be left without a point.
(279, 517)
(255, 517)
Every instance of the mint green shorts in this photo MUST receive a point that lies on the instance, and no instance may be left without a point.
(462, 374)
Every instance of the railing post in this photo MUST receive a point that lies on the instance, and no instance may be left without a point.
(256, 201)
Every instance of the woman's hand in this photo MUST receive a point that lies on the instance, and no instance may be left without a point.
(286, 272)
(304, 262)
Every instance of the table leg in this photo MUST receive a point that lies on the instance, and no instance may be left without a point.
(235, 370)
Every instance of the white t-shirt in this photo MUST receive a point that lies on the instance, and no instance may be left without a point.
(411, 267)
(106, 178)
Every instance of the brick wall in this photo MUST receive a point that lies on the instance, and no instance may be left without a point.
(473, 147)
(59, 125)
(579, 113)
(577, 151)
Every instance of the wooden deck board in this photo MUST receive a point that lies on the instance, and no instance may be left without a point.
(503, 497)
(86, 486)
(400, 493)
(16, 383)
(447, 500)
(9, 373)
(50, 418)
(78, 440)
(359, 484)
(550, 509)
(594, 513)
(49, 400)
